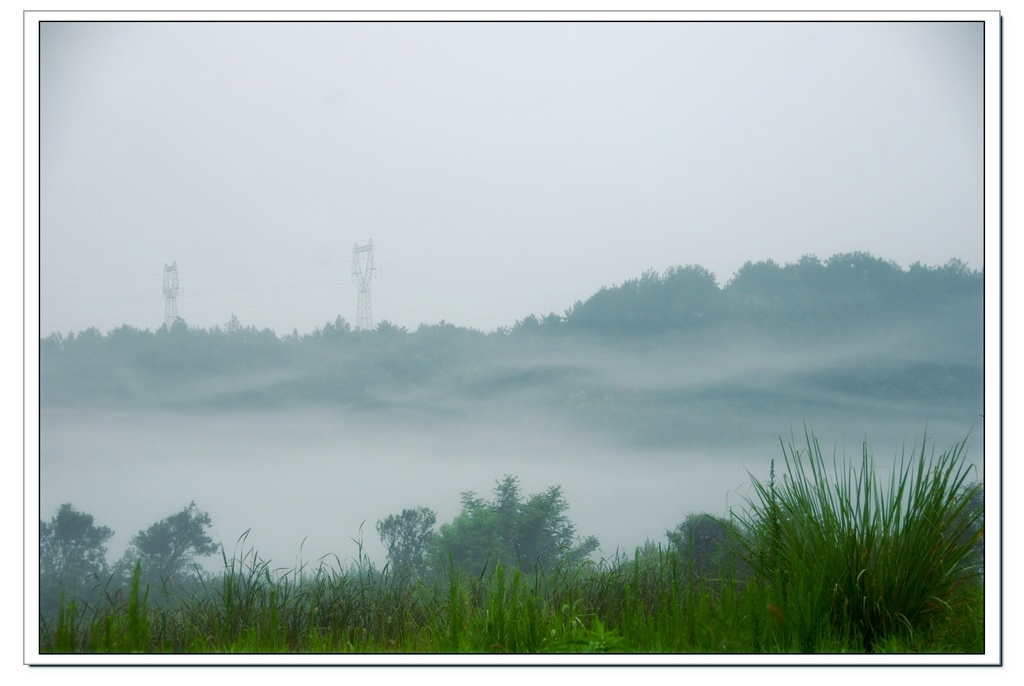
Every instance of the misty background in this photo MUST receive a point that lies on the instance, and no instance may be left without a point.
(501, 169)
(521, 184)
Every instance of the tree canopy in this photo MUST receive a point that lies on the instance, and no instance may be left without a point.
(706, 545)
(529, 534)
(923, 327)
(72, 555)
(408, 539)
(169, 547)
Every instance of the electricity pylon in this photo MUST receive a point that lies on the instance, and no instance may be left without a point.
(362, 273)
(170, 294)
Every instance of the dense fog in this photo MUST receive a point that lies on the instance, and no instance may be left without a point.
(307, 442)
(290, 476)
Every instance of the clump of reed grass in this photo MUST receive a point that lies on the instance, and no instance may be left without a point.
(844, 553)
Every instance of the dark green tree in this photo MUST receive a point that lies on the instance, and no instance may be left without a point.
(682, 298)
(707, 546)
(531, 535)
(168, 548)
(388, 330)
(408, 537)
(72, 556)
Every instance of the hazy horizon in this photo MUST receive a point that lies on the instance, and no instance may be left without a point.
(495, 181)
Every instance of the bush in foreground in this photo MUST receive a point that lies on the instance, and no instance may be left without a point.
(838, 549)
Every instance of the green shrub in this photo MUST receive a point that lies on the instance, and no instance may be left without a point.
(842, 551)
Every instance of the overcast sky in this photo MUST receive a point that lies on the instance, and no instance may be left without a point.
(500, 169)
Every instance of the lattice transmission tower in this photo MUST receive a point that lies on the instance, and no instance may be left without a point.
(170, 294)
(362, 273)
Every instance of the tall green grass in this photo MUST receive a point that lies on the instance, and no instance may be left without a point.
(842, 551)
(831, 559)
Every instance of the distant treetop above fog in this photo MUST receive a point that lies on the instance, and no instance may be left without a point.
(920, 329)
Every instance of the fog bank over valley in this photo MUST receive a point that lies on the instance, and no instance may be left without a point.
(642, 403)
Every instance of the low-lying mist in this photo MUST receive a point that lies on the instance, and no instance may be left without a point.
(637, 442)
(650, 401)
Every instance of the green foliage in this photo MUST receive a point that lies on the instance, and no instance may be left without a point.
(838, 549)
(681, 298)
(137, 618)
(644, 605)
(529, 535)
(408, 538)
(168, 548)
(970, 523)
(676, 317)
(707, 547)
(842, 562)
(72, 556)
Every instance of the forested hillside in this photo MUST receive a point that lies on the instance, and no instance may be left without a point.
(853, 328)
